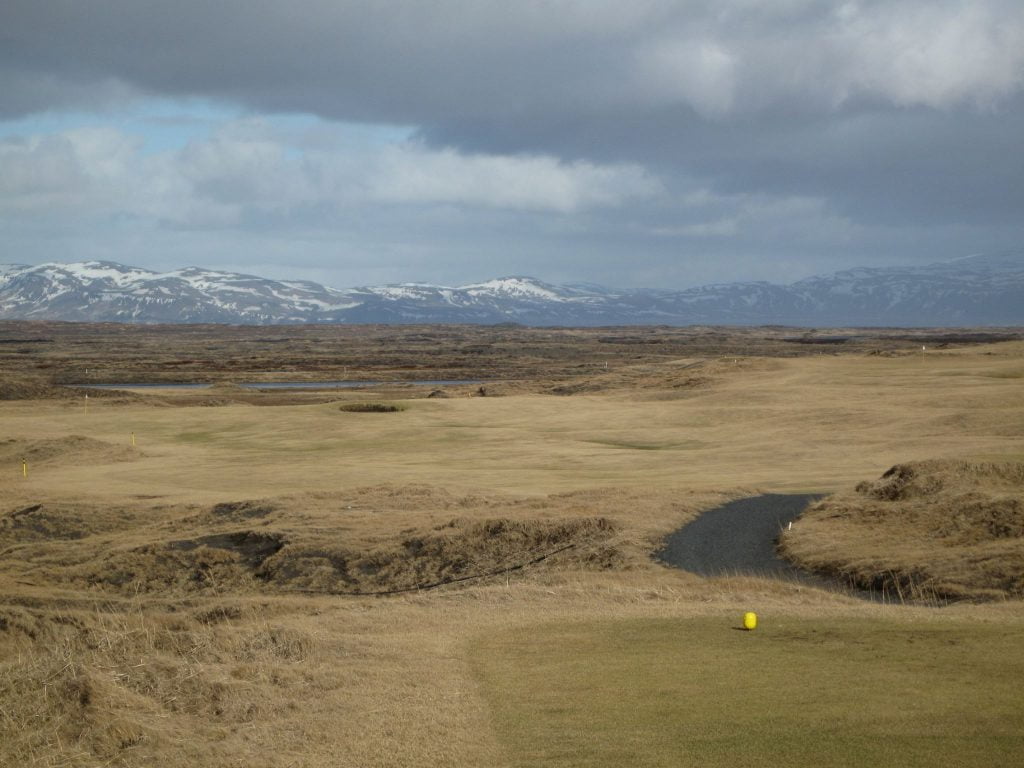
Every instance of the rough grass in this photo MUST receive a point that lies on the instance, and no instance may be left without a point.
(146, 604)
(924, 530)
(114, 686)
(71, 448)
(370, 541)
(795, 692)
(765, 424)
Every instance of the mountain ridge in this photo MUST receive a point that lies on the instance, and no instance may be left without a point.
(985, 289)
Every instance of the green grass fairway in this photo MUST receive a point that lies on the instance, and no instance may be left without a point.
(795, 692)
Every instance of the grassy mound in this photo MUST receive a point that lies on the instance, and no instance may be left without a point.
(73, 448)
(244, 560)
(925, 530)
(26, 386)
(61, 521)
(459, 551)
(19, 387)
(306, 545)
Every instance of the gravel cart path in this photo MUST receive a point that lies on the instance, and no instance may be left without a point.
(739, 538)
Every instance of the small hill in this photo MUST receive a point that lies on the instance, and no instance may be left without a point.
(71, 448)
(947, 530)
(22, 387)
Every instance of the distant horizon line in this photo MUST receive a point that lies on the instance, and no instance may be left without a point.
(4, 267)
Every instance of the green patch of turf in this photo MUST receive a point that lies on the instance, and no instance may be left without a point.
(794, 692)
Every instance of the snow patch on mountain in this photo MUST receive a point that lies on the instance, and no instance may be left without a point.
(515, 286)
(980, 290)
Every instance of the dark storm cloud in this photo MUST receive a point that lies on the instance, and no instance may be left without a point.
(421, 62)
(796, 124)
(888, 167)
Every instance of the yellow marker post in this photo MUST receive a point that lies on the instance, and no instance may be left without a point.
(133, 439)
(750, 621)
(24, 468)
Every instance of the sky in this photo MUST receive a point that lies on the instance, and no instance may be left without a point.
(650, 143)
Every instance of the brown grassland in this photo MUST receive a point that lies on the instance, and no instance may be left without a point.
(380, 577)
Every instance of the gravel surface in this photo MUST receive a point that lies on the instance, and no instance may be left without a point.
(739, 538)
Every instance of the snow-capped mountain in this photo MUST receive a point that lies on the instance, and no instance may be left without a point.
(979, 290)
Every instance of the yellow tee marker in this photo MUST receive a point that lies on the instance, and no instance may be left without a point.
(749, 620)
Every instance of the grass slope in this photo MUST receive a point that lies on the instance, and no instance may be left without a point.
(931, 529)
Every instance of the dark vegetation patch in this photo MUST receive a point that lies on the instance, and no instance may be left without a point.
(217, 561)
(102, 353)
(14, 386)
(371, 408)
(973, 337)
(329, 562)
(251, 547)
(242, 510)
(61, 521)
(820, 339)
(459, 550)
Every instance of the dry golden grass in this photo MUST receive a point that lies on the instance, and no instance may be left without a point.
(934, 529)
(811, 423)
(150, 616)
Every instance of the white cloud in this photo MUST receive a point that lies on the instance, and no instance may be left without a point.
(75, 169)
(245, 169)
(410, 173)
(933, 54)
(728, 58)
